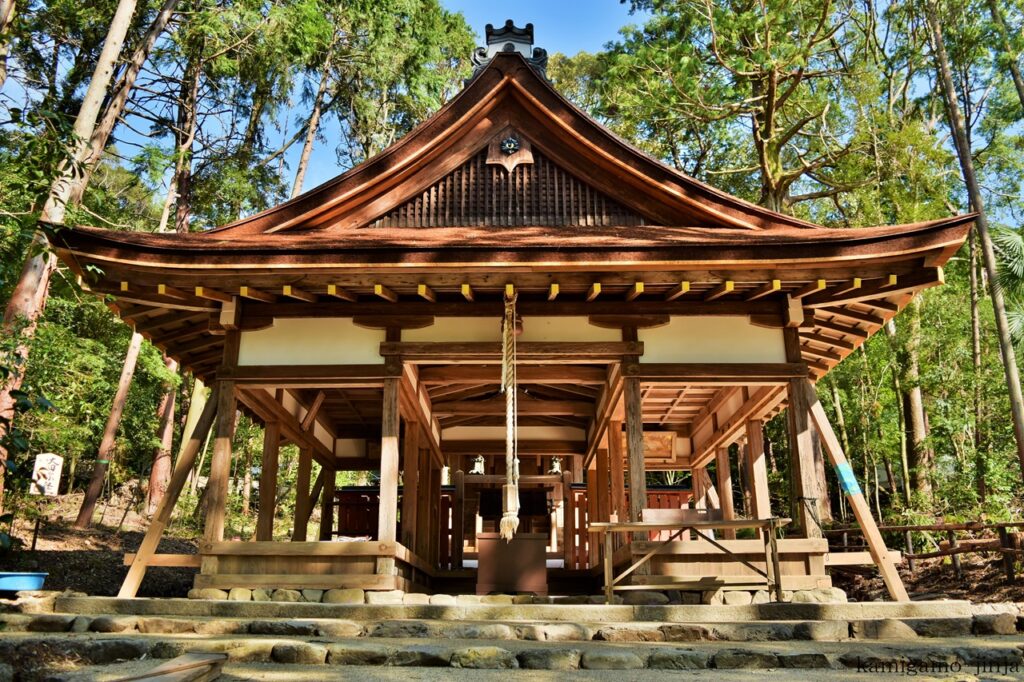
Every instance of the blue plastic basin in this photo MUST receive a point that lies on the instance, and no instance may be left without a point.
(12, 582)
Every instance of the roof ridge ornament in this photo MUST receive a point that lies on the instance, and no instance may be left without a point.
(509, 38)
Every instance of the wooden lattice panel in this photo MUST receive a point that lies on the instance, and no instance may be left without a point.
(478, 194)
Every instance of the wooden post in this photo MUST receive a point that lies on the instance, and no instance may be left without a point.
(723, 473)
(268, 480)
(593, 556)
(435, 516)
(330, 478)
(220, 463)
(388, 513)
(303, 503)
(699, 490)
(801, 446)
(1005, 542)
(568, 522)
(618, 473)
(848, 483)
(760, 502)
(458, 518)
(603, 493)
(187, 457)
(423, 505)
(635, 452)
(410, 483)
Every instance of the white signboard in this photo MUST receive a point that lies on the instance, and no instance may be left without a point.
(46, 474)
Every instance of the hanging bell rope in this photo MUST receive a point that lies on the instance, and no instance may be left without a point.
(510, 491)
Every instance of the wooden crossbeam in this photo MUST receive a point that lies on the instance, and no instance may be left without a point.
(880, 289)
(334, 291)
(834, 326)
(496, 447)
(553, 291)
(524, 407)
(635, 290)
(426, 293)
(173, 292)
(467, 292)
(846, 287)
(828, 340)
(213, 294)
(594, 291)
(572, 352)
(855, 315)
(257, 295)
(766, 290)
(314, 409)
(381, 291)
(722, 289)
(810, 288)
(678, 290)
(525, 374)
(299, 294)
(756, 407)
(819, 353)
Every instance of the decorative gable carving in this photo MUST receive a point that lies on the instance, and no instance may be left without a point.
(481, 193)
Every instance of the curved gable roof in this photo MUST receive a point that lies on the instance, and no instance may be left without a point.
(509, 93)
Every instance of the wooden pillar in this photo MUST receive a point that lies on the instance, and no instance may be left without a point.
(635, 451)
(593, 555)
(268, 480)
(303, 503)
(801, 447)
(723, 472)
(616, 463)
(759, 499)
(603, 492)
(423, 505)
(410, 483)
(387, 525)
(435, 515)
(458, 518)
(699, 490)
(330, 478)
(568, 522)
(849, 485)
(220, 463)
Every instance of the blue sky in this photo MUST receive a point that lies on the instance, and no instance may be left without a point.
(566, 26)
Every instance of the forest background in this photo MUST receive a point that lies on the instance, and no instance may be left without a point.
(833, 110)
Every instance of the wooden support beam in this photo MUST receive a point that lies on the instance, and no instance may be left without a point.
(303, 503)
(220, 464)
(801, 445)
(708, 374)
(330, 478)
(855, 315)
(594, 291)
(334, 291)
(722, 289)
(467, 292)
(268, 480)
(388, 513)
(758, 406)
(827, 340)
(423, 526)
(313, 411)
(172, 292)
(766, 290)
(634, 291)
(524, 407)
(568, 522)
(410, 482)
(458, 518)
(257, 295)
(616, 462)
(526, 374)
(426, 293)
(560, 448)
(819, 353)
(834, 326)
(809, 288)
(182, 469)
(846, 287)
(553, 290)
(723, 473)
(635, 449)
(490, 352)
(678, 290)
(849, 485)
(298, 294)
(603, 488)
(213, 295)
(880, 289)
(759, 496)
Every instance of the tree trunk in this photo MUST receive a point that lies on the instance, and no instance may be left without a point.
(314, 121)
(6, 19)
(247, 482)
(99, 471)
(29, 296)
(1008, 56)
(185, 135)
(963, 149)
(118, 98)
(980, 467)
(160, 474)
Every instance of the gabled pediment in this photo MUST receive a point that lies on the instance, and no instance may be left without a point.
(592, 176)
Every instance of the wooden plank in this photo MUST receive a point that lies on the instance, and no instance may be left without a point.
(388, 511)
(268, 480)
(525, 406)
(526, 447)
(624, 526)
(190, 667)
(740, 374)
(526, 374)
(858, 558)
(300, 549)
(861, 510)
(220, 463)
(298, 580)
(182, 468)
(577, 352)
(175, 560)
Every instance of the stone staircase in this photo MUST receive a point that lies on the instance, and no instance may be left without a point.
(53, 636)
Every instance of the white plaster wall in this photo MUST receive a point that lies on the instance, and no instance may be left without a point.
(311, 341)
(480, 329)
(725, 339)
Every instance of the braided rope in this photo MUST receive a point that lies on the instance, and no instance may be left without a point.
(510, 491)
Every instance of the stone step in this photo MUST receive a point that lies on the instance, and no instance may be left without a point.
(596, 613)
(25, 652)
(537, 630)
